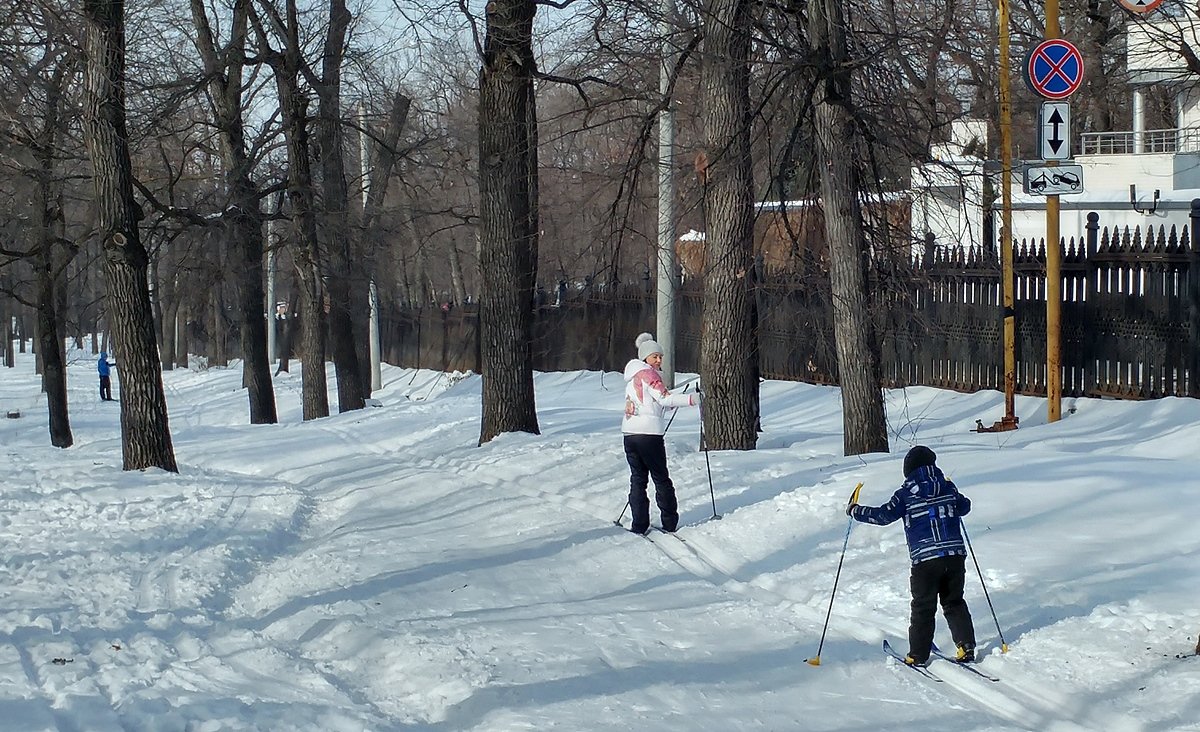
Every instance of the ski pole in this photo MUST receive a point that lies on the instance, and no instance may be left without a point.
(672, 419)
(1003, 644)
(816, 660)
(707, 464)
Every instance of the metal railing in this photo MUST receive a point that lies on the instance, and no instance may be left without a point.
(1186, 139)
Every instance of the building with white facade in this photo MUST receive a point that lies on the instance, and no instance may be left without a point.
(1136, 178)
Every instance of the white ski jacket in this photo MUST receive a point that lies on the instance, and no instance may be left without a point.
(647, 399)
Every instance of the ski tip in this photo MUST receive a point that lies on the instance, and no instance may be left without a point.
(814, 661)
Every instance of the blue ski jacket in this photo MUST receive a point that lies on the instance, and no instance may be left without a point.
(931, 507)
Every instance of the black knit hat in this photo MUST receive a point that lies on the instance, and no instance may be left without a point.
(918, 457)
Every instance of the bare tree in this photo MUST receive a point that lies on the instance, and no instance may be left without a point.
(287, 67)
(145, 435)
(39, 69)
(223, 70)
(728, 355)
(508, 194)
(839, 148)
(336, 208)
(53, 256)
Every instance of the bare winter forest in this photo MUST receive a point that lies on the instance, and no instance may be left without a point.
(248, 180)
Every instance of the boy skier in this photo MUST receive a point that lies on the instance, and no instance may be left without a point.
(931, 507)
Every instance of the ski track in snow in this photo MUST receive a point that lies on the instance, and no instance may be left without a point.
(227, 602)
(1015, 701)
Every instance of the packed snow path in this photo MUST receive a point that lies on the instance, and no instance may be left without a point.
(378, 570)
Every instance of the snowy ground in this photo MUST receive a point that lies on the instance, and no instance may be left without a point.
(378, 571)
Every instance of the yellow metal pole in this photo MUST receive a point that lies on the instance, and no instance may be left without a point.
(1053, 273)
(1006, 239)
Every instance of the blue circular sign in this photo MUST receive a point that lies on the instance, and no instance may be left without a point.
(1054, 69)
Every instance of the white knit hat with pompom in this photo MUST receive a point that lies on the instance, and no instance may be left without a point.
(647, 346)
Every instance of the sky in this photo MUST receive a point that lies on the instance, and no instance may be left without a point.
(378, 570)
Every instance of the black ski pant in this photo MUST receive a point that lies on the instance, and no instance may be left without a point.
(941, 578)
(106, 388)
(647, 456)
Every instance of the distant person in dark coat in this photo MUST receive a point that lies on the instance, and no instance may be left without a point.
(105, 368)
(931, 507)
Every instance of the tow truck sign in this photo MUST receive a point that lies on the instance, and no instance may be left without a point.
(1050, 181)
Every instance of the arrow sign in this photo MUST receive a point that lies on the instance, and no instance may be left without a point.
(1054, 131)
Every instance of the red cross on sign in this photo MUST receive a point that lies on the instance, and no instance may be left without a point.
(1054, 69)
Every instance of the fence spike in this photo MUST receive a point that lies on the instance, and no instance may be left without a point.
(1173, 241)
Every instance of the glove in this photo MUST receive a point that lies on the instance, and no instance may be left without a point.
(850, 509)
(696, 399)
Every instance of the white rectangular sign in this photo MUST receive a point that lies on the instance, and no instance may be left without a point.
(1047, 181)
(1054, 131)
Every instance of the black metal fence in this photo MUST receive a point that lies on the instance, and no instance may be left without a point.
(1130, 320)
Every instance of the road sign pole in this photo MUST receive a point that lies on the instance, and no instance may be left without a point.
(1006, 238)
(1053, 271)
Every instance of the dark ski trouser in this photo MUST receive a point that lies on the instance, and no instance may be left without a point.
(105, 388)
(932, 580)
(647, 456)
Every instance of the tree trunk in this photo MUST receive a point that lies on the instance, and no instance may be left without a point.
(508, 218)
(840, 149)
(336, 199)
(457, 286)
(182, 342)
(243, 216)
(381, 165)
(49, 268)
(145, 434)
(727, 352)
(216, 303)
(294, 112)
(6, 346)
(166, 330)
(6, 330)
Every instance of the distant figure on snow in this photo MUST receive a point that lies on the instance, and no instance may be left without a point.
(646, 398)
(931, 507)
(105, 369)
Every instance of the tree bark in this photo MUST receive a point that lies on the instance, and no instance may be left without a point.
(508, 217)
(145, 434)
(727, 353)
(840, 147)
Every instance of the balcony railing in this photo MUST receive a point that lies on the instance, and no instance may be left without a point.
(1186, 139)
